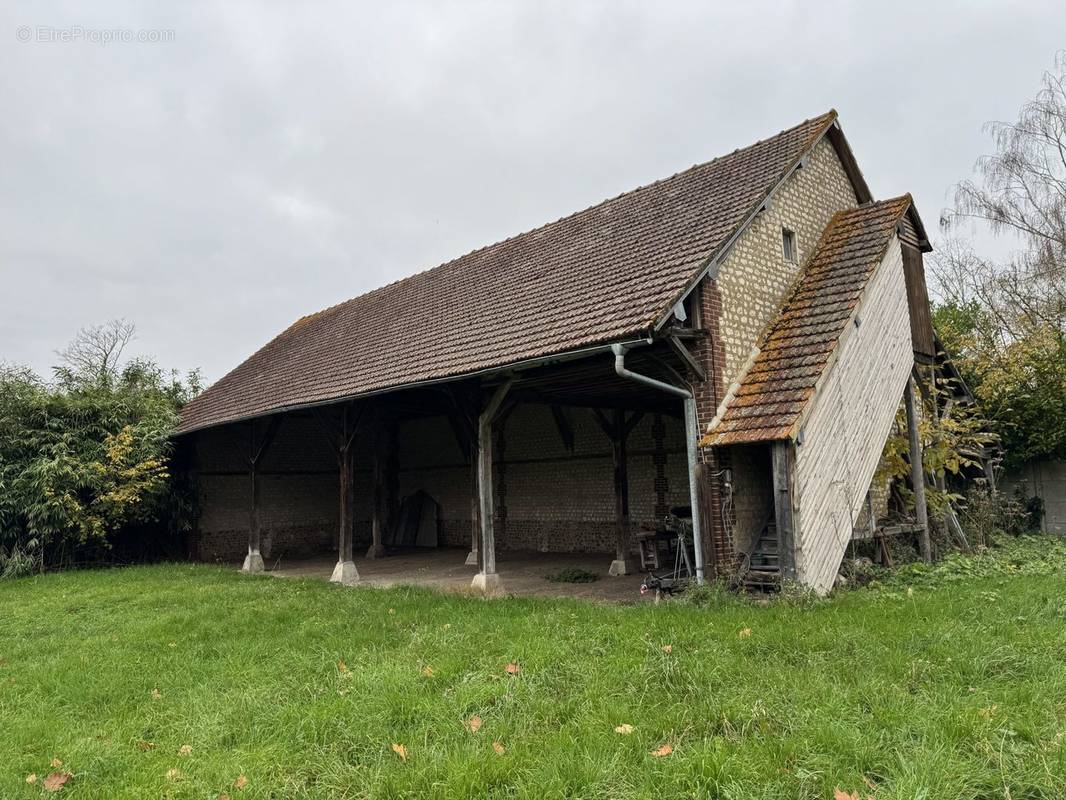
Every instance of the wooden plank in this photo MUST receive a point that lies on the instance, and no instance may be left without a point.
(782, 469)
(922, 336)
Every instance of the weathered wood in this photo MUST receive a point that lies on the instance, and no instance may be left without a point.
(703, 493)
(622, 564)
(690, 362)
(257, 446)
(377, 497)
(917, 472)
(563, 426)
(782, 469)
(345, 572)
(487, 581)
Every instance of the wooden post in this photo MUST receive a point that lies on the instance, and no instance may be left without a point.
(345, 572)
(918, 474)
(781, 457)
(472, 558)
(617, 428)
(487, 581)
(253, 561)
(377, 496)
(623, 562)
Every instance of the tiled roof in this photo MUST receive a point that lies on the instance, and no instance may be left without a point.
(772, 396)
(602, 274)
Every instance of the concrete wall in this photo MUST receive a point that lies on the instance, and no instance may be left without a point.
(1047, 480)
(851, 415)
(547, 498)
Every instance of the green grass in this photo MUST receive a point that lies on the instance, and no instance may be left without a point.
(954, 689)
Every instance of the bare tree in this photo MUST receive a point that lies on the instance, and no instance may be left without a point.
(1022, 190)
(96, 350)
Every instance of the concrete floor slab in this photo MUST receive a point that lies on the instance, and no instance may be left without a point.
(445, 569)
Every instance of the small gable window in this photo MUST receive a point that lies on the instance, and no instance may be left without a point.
(788, 245)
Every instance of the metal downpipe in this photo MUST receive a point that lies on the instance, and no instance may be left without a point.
(691, 435)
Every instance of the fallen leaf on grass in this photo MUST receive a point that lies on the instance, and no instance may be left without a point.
(513, 668)
(744, 633)
(56, 762)
(400, 750)
(498, 748)
(156, 694)
(241, 782)
(173, 774)
(869, 783)
(223, 797)
(625, 729)
(668, 648)
(31, 778)
(144, 746)
(840, 794)
(342, 668)
(474, 723)
(428, 671)
(663, 751)
(56, 781)
(185, 750)
(989, 712)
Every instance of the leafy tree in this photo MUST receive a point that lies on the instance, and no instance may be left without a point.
(86, 456)
(1004, 321)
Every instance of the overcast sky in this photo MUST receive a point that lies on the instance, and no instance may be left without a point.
(272, 159)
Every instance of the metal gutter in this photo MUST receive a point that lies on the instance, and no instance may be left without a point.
(530, 363)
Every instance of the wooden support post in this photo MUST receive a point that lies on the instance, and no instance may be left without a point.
(623, 562)
(257, 445)
(487, 581)
(345, 572)
(377, 496)
(781, 456)
(253, 561)
(921, 514)
(472, 558)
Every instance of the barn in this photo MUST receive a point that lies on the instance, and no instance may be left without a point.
(729, 345)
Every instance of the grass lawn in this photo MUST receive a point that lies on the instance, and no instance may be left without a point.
(175, 681)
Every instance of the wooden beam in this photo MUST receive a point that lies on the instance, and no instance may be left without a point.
(461, 432)
(687, 358)
(782, 459)
(921, 513)
(563, 426)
